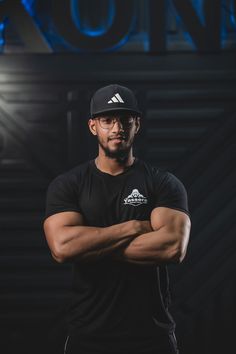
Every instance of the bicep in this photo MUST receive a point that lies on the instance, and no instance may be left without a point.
(175, 227)
(53, 225)
(175, 222)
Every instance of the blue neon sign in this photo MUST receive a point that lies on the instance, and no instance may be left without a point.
(65, 28)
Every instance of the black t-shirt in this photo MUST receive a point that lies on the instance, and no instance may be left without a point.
(114, 301)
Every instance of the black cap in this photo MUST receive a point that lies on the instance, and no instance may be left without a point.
(113, 98)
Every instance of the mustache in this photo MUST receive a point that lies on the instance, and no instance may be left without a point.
(120, 136)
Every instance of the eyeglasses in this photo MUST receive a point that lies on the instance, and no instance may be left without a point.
(108, 122)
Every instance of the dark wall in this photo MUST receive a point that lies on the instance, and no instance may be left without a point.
(188, 128)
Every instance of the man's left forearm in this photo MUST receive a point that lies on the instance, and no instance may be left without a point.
(121, 256)
(152, 248)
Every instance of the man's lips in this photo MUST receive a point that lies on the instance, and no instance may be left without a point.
(120, 138)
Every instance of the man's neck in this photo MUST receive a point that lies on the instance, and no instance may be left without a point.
(113, 166)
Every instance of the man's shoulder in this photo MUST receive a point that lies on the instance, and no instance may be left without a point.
(152, 169)
(78, 169)
(159, 175)
(74, 174)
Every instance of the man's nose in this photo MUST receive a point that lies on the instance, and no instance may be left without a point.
(118, 125)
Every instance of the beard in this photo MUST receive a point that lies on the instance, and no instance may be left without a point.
(120, 154)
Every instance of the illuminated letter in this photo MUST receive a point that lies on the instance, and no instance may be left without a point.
(25, 26)
(206, 38)
(114, 36)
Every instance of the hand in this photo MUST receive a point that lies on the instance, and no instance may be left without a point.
(139, 227)
(142, 226)
(136, 228)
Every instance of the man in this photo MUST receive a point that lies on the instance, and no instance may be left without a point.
(121, 222)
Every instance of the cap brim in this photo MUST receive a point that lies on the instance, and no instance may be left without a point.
(115, 110)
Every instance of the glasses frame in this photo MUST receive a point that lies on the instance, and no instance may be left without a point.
(116, 119)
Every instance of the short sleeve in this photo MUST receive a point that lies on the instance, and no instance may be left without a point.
(171, 193)
(61, 196)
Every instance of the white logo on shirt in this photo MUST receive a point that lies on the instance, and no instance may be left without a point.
(135, 198)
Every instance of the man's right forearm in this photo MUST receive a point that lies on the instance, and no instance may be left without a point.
(86, 243)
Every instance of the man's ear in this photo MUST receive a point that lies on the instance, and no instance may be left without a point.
(92, 126)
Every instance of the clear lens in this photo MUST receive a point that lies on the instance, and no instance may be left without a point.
(107, 122)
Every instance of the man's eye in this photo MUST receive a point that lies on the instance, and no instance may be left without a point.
(106, 120)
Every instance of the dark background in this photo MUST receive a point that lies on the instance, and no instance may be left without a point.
(188, 97)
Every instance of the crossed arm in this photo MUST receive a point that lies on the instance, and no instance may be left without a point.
(166, 243)
(163, 239)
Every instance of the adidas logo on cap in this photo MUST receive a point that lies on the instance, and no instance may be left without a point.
(116, 98)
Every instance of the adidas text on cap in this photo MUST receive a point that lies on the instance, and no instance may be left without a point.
(113, 98)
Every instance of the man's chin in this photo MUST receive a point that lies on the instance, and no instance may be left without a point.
(116, 154)
(119, 154)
